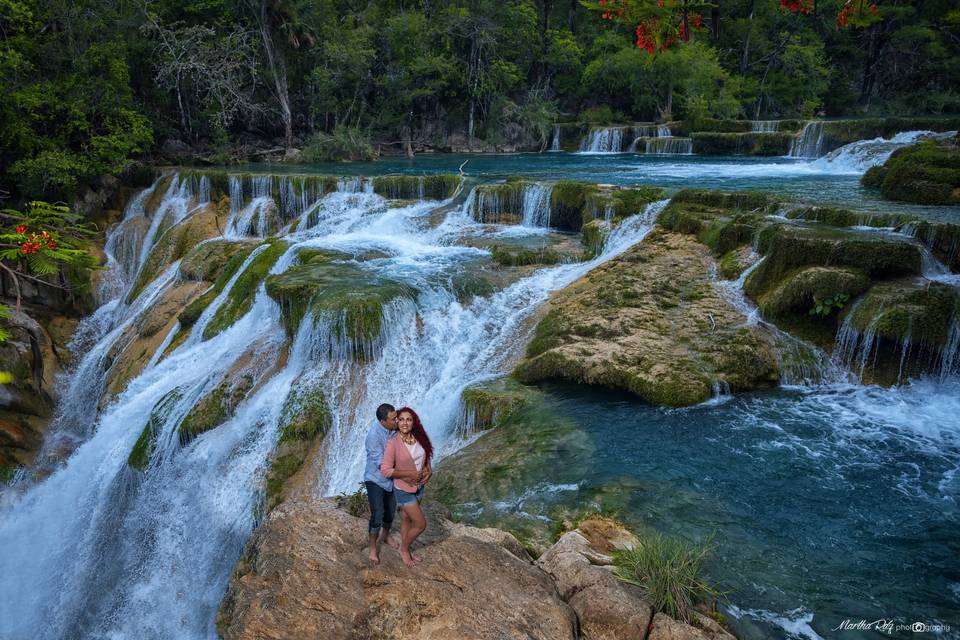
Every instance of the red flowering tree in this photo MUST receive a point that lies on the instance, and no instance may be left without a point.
(660, 24)
(40, 241)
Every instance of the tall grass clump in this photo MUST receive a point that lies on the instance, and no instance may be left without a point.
(670, 571)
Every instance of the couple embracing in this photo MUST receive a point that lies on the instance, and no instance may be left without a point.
(397, 468)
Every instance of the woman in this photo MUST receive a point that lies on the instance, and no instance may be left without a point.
(406, 459)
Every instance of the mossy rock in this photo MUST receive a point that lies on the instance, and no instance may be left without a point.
(838, 217)
(925, 173)
(620, 202)
(741, 144)
(650, 322)
(242, 293)
(488, 404)
(208, 259)
(404, 187)
(721, 221)
(797, 292)
(943, 239)
(568, 200)
(499, 203)
(352, 296)
(305, 415)
(152, 202)
(742, 200)
(594, 237)
(143, 448)
(918, 310)
(788, 247)
(7, 471)
(506, 256)
(304, 421)
(215, 408)
(173, 242)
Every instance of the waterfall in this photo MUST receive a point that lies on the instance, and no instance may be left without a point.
(808, 142)
(536, 204)
(765, 126)
(110, 551)
(663, 131)
(857, 157)
(669, 145)
(603, 140)
(555, 142)
(801, 363)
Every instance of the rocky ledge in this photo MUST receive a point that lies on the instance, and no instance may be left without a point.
(305, 574)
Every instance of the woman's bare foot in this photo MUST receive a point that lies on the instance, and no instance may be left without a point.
(392, 542)
(415, 557)
(374, 556)
(407, 558)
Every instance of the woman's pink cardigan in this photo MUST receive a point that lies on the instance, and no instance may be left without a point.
(396, 457)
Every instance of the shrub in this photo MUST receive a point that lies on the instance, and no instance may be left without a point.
(345, 143)
(670, 571)
(355, 503)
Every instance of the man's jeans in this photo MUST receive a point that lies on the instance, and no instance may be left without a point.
(382, 507)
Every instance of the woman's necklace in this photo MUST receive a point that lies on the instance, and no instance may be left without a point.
(408, 438)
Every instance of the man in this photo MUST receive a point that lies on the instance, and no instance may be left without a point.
(383, 506)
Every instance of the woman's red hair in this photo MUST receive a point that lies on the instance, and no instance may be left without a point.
(419, 433)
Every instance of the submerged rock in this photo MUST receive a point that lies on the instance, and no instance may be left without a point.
(652, 323)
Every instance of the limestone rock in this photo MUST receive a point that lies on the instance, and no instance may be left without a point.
(651, 322)
(305, 575)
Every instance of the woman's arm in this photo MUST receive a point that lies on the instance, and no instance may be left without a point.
(389, 465)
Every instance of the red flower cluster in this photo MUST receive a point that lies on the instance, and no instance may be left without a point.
(695, 21)
(646, 37)
(797, 6)
(35, 241)
(843, 17)
(611, 15)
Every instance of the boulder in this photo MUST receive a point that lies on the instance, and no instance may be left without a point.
(305, 574)
(651, 322)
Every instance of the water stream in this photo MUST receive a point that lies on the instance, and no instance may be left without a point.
(832, 499)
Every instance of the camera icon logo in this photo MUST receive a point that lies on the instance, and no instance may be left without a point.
(919, 627)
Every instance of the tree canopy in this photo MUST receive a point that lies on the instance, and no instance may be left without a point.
(90, 85)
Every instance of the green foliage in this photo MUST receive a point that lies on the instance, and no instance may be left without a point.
(344, 143)
(356, 503)
(670, 571)
(823, 307)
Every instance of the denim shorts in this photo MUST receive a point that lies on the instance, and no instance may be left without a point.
(405, 497)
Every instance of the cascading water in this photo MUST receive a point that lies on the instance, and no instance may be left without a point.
(536, 205)
(126, 546)
(764, 126)
(808, 142)
(857, 157)
(603, 140)
(668, 145)
(555, 141)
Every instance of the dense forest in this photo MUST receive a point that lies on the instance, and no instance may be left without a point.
(90, 85)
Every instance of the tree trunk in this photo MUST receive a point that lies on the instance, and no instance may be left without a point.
(875, 44)
(279, 72)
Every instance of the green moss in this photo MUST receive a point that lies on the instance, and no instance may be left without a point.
(741, 144)
(7, 471)
(244, 289)
(404, 187)
(922, 312)
(926, 173)
(305, 415)
(743, 200)
(568, 200)
(788, 247)
(143, 448)
(490, 403)
(594, 238)
(837, 217)
(215, 408)
(721, 227)
(281, 470)
(514, 257)
(325, 286)
(797, 291)
(208, 260)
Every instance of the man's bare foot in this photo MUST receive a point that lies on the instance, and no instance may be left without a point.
(416, 558)
(407, 558)
(392, 542)
(374, 556)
